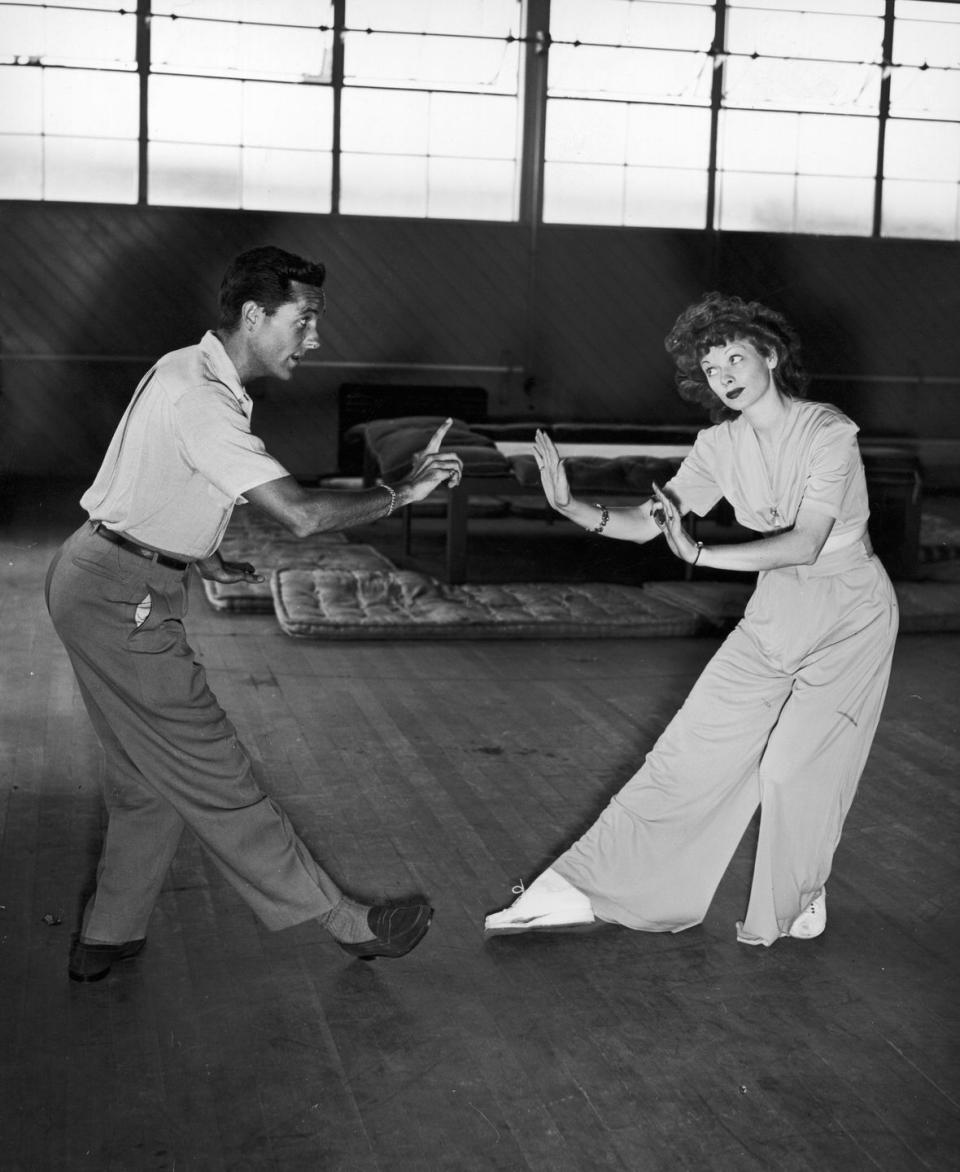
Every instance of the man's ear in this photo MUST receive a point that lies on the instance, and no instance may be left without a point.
(250, 314)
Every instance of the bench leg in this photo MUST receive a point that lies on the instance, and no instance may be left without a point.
(407, 529)
(458, 501)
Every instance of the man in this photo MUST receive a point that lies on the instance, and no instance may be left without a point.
(181, 458)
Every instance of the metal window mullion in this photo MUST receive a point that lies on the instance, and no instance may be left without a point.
(336, 80)
(537, 36)
(884, 114)
(143, 73)
(716, 99)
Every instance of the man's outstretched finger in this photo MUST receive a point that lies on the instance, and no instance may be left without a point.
(437, 438)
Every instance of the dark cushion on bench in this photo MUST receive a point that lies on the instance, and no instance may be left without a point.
(631, 474)
(395, 448)
(374, 429)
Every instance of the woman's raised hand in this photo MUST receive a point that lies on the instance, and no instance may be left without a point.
(670, 523)
(552, 475)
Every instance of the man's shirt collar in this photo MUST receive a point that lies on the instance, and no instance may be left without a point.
(219, 368)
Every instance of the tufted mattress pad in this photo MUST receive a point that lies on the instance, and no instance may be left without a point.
(402, 604)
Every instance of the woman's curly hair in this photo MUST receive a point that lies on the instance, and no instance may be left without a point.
(718, 319)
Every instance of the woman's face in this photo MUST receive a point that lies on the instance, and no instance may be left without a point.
(738, 374)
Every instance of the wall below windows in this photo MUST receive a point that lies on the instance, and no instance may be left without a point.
(572, 328)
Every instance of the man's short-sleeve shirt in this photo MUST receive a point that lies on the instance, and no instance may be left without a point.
(182, 456)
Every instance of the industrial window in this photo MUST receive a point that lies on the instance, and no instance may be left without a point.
(69, 96)
(240, 110)
(430, 108)
(921, 161)
(628, 112)
(797, 131)
(820, 116)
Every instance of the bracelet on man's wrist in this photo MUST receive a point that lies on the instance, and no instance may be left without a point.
(393, 498)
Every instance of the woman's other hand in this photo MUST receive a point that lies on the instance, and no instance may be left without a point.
(556, 487)
(667, 517)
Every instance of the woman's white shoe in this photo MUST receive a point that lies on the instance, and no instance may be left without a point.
(812, 920)
(549, 903)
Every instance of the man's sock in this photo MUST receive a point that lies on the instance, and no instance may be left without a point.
(347, 922)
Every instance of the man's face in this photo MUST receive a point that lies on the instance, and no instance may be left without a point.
(280, 340)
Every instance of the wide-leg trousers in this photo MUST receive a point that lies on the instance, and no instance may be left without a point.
(173, 759)
(782, 718)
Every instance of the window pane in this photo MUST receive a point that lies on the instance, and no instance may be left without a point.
(660, 198)
(277, 115)
(756, 140)
(805, 34)
(582, 194)
(21, 175)
(809, 144)
(380, 120)
(922, 150)
(474, 126)
(288, 181)
(933, 93)
(834, 206)
(585, 71)
(480, 189)
(672, 136)
(90, 169)
(21, 99)
(755, 203)
(79, 101)
(195, 176)
(240, 50)
(60, 36)
(408, 62)
(588, 132)
(835, 145)
(195, 109)
(306, 12)
(688, 24)
(494, 18)
(801, 85)
(850, 7)
(383, 185)
(927, 210)
(926, 32)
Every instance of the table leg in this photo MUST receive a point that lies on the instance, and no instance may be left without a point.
(458, 501)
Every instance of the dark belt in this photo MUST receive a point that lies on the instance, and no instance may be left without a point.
(141, 550)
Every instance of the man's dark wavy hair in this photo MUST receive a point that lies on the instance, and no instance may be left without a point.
(717, 319)
(264, 275)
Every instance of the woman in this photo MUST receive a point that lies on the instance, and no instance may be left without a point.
(784, 714)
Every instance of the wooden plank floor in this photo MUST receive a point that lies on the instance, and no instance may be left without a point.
(457, 769)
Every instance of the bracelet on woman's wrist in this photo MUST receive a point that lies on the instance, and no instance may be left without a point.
(604, 518)
(699, 552)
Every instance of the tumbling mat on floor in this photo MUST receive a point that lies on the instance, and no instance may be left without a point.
(253, 537)
(256, 597)
(924, 606)
(402, 604)
(939, 539)
(928, 606)
(720, 604)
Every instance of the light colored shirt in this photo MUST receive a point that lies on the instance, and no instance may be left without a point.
(182, 455)
(816, 464)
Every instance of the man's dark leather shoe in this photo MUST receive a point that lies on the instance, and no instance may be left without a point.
(398, 929)
(91, 962)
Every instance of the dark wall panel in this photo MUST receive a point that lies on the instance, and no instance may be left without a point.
(91, 294)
